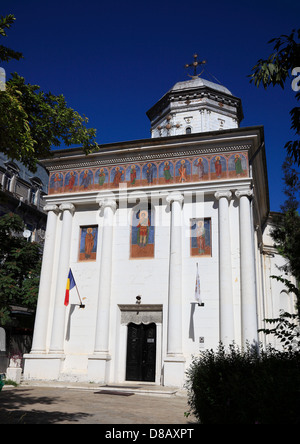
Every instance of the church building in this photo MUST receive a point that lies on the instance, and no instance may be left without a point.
(157, 248)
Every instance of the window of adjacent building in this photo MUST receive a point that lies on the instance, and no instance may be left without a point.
(6, 182)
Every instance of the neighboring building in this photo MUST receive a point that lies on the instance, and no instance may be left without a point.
(22, 192)
(134, 222)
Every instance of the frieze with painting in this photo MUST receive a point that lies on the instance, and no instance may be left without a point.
(191, 169)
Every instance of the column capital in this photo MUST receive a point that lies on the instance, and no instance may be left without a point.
(227, 194)
(67, 206)
(111, 203)
(49, 207)
(247, 193)
(174, 197)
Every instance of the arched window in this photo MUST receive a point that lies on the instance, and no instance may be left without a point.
(188, 130)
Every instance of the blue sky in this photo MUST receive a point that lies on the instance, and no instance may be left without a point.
(113, 60)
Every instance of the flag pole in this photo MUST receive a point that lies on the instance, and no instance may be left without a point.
(81, 304)
(197, 289)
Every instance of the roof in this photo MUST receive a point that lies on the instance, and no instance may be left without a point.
(198, 83)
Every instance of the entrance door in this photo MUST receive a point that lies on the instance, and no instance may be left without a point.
(141, 352)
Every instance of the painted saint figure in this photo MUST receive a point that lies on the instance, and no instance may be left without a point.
(218, 166)
(167, 173)
(71, 181)
(200, 166)
(89, 243)
(101, 177)
(118, 177)
(200, 236)
(149, 173)
(86, 179)
(238, 165)
(133, 175)
(143, 228)
(182, 172)
(57, 181)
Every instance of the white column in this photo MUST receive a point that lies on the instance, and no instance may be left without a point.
(42, 312)
(58, 326)
(174, 345)
(174, 362)
(102, 330)
(247, 263)
(225, 271)
(98, 362)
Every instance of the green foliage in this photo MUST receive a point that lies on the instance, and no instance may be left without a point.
(286, 231)
(32, 122)
(287, 326)
(275, 70)
(245, 386)
(20, 267)
(7, 54)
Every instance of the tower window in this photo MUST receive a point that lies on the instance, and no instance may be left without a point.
(188, 130)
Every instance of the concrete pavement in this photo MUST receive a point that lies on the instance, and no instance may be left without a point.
(38, 402)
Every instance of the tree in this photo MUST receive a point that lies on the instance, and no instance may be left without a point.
(20, 267)
(33, 122)
(275, 70)
(286, 232)
(7, 54)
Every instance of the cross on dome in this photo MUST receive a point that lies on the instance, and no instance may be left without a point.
(195, 65)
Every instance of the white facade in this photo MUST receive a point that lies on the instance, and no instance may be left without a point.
(97, 343)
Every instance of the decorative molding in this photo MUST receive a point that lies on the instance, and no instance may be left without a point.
(141, 314)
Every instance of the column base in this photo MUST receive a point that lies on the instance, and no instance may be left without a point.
(174, 371)
(43, 366)
(98, 367)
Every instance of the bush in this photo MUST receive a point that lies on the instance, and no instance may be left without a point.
(245, 387)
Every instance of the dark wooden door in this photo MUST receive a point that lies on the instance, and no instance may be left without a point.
(141, 352)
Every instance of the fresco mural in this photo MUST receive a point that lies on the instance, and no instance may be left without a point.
(71, 182)
(101, 178)
(201, 237)
(88, 243)
(142, 234)
(86, 180)
(169, 171)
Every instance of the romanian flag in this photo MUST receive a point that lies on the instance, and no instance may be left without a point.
(70, 284)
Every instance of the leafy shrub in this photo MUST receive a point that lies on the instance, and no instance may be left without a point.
(245, 386)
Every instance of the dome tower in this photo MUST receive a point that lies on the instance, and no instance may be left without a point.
(195, 106)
